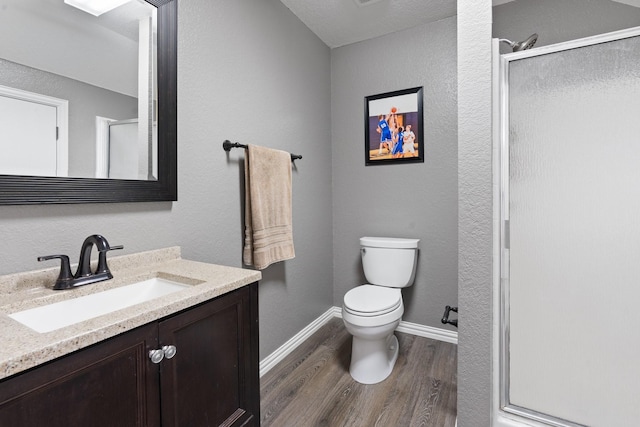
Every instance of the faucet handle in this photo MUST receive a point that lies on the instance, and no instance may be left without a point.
(102, 260)
(64, 278)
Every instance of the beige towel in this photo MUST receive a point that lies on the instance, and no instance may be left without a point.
(268, 213)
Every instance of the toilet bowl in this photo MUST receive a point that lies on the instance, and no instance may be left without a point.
(371, 312)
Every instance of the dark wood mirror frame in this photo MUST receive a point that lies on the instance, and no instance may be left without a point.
(28, 190)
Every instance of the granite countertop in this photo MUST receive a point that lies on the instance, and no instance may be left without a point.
(23, 348)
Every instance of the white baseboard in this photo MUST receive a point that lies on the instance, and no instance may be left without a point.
(428, 332)
(419, 330)
(406, 327)
(283, 351)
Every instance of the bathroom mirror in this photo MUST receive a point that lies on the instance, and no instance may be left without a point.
(115, 87)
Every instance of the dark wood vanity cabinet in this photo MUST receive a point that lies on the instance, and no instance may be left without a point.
(212, 380)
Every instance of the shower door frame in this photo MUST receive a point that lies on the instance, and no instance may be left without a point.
(504, 413)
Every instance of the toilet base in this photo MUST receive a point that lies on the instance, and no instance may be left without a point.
(373, 360)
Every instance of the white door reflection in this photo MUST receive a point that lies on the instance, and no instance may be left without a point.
(34, 133)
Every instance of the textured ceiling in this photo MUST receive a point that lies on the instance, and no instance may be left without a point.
(342, 22)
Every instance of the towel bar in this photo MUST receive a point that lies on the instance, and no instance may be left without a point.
(228, 145)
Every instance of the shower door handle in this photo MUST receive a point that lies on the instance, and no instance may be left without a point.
(505, 250)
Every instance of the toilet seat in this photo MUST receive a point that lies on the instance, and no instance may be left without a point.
(371, 300)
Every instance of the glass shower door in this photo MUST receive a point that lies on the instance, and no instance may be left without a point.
(571, 209)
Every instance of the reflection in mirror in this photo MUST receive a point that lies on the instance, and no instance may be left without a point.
(78, 92)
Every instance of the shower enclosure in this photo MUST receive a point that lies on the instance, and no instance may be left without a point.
(567, 221)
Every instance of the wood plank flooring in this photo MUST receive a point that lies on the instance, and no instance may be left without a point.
(312, 387)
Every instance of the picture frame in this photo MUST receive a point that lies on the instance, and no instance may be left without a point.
(386, 119)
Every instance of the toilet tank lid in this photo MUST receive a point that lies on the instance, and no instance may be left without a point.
(389, 242)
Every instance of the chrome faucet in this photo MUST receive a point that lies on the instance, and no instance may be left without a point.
(84, 275)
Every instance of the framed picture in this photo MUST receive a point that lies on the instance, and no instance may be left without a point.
(393, 131)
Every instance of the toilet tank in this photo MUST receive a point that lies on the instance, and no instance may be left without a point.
(389, 261)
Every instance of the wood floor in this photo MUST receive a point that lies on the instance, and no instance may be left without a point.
(312, 386)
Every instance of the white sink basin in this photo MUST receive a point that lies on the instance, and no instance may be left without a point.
(57, 315)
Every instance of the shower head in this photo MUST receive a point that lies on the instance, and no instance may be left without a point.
(523, 45)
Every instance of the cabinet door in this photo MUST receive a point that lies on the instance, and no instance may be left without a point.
(111, 384)
(213, 378)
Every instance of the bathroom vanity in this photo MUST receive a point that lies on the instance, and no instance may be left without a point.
(189, 358)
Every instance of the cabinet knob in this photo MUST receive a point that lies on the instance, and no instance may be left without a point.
(156, 356)
(169, 351)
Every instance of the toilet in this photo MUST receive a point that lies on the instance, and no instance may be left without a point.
(371, 312)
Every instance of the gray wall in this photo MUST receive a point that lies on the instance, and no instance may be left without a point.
(554, 21)
(410, 200)
(85, 103)
(251, 72)
(474, 213)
